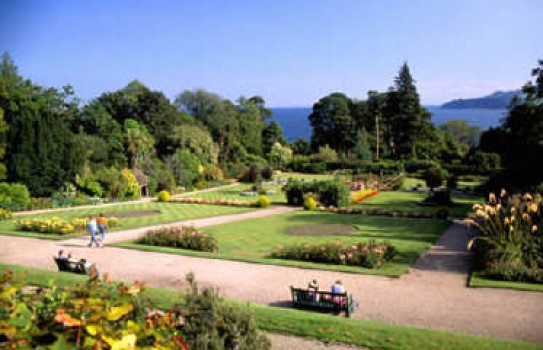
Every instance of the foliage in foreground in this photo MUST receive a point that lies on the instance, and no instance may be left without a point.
(95, 315)
(184, 237)
(105, 315)
(510, 243)
(369, 255)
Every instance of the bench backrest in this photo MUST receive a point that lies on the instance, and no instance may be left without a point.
(299, 294)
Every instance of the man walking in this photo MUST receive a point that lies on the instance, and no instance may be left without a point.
(92, 228)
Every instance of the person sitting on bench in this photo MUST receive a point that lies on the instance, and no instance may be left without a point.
(337, 288)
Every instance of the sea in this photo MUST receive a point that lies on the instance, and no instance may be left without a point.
(294, 121)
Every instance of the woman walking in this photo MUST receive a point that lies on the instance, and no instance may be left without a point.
(92, 228)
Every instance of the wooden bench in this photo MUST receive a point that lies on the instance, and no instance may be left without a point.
(323, 301)
(71, 266)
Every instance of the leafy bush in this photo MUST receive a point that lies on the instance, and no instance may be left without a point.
(263, 202)
(163, 196)
(5, 214)
(94, 315)
(210, 324)
(252, 175)
(105, 315)
(14, 196)
(509, 244)
(369, 255)
(184, 237)
(434, 177)
(329, 192)
(213, 172)
(133, 187)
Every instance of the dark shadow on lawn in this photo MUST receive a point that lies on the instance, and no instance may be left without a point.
(449, 253)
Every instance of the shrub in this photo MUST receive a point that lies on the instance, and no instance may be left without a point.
(263, 202)
(329, 192)
(184, 237)
(54, 225)
(434, 177)
(510, 243)
(213, 173)
(133, 187)
(369, 255)
(5, 214)
(164, 196)
(310, 203)
(252, 175)
(14, 196)
(201, 184)
(93, 315)
(210, 324)
(267, 173)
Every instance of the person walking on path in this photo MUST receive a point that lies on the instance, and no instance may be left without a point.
(102, 226)
(92, 228)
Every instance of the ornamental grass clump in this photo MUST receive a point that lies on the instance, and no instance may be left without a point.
(509, 244)
(365, 254)
(184, 237)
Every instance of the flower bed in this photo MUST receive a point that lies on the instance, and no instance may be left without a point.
(56, 225)
(362, 195)
(184, 237)
(369, 255)
(229, 202)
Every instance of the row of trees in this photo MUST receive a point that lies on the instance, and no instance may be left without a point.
(49, 139)
(389, 125)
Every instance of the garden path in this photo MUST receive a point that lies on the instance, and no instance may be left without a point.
(432, 295)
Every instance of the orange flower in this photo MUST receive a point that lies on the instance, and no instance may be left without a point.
(66, 319)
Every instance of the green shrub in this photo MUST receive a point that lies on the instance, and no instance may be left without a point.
(163, 196)
(184, 237)
(329, 192)
(263, 202)
(201, 184)
(14, 196)
(369, 255)
(209, 324)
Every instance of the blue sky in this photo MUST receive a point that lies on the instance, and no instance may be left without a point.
(290, 52)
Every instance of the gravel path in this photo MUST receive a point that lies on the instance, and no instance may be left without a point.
(432, 295)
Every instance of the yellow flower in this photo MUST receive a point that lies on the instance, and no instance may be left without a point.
(533, 207)
(534, 229)
(513, 211)
(477, 206)
(506, 221)
(525, 217)
(503, 193)
(527, 197)
(492, 197)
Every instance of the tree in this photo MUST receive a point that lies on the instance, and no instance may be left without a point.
(434, 177)
(404, 117)
(3, 134)
(466, 136)
(39, 133)
(198, 141)
(272, 134)
(250, 126)
(332, 123)
(260, 103)
(362, 147)
(326, 154)
(280, 155)
(301, 146)
(138, 142)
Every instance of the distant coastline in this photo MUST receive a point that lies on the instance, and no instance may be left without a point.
(294, 121)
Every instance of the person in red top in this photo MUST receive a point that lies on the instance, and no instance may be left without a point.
(102, 226)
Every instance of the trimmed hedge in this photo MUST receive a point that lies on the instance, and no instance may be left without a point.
(184, 237)
(329, 193)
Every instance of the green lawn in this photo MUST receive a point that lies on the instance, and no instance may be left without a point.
(323, 327)
(234, 193)
(253, 240)
(169, 212)
(478, 280)
(409, 201)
